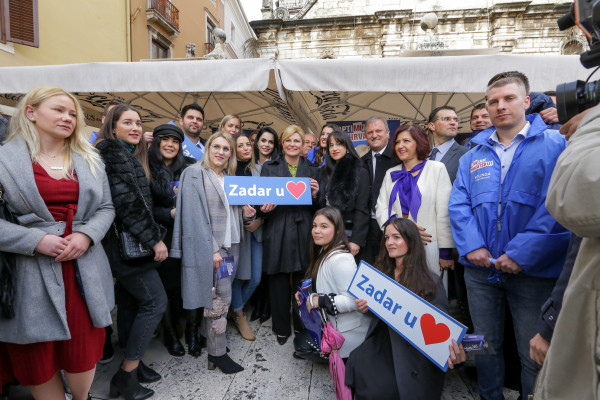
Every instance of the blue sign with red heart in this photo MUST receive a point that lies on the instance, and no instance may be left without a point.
(426, 327)
(258, 190)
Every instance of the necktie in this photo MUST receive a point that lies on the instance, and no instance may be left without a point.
(434, 153)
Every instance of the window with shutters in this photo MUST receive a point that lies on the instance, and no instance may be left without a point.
(19, 22)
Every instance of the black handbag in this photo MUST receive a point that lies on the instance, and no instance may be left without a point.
(7, 268)
(130, 248)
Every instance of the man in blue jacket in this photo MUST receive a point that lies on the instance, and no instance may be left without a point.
(513, 249)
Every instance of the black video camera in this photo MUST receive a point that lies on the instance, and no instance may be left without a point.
(575, 97)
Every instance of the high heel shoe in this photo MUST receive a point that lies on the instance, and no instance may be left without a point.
(282, 339)
(242, 324)
(147, 374)
(225, 364)
(127, 385)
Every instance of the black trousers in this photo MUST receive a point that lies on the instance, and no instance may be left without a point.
(282, 288)
(369, 252)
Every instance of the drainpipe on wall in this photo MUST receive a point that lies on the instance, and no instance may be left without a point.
(128, 28)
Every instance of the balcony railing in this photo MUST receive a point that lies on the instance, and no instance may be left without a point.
(167, 12)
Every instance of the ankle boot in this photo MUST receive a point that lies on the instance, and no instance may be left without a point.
(126, 384)
(242, 324)
(225, 364)
(191, 333)
(171, 341)
(147, 374)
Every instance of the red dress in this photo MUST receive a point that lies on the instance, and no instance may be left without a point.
(36, 363)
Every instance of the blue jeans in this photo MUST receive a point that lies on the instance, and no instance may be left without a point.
(525, 295)
(241, 291)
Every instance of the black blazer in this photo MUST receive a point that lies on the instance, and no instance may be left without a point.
(451, 159)
(385, 162)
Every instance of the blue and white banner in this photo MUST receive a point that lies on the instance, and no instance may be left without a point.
(427, 328)
(258, 190)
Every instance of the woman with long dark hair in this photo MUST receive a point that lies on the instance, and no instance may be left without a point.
(419, 189)
(266, 148)
(286, 234)
(331, 269)
(318, 155)
(386, 366)
(207, 229)
(345, 185)
(141, 297)
(54, 183)
(167, 162)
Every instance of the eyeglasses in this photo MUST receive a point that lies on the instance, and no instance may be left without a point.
(448, 119)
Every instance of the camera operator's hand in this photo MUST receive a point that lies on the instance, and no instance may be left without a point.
(549, 115)
(569, 128)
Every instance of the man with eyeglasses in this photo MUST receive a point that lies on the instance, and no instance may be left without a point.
(443, 124)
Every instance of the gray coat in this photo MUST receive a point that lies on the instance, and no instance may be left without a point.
(451, 158)
(198, 234)
(40, 296)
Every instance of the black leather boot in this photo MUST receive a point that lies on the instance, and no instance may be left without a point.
(225, 364)
(171, 341)
(191, 332)
(147, 374)
(127, 385)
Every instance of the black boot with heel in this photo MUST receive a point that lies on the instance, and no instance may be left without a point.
(225, 364)
(171, 340)
(191, 332)
(127, 385)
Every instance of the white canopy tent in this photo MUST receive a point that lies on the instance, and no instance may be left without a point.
(408, 89)
(278, 93)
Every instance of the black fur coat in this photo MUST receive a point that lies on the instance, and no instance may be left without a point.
(162, 200)
(347, 189)
(133, 205)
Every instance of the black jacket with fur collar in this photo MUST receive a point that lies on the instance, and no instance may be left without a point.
(133, 205)
(348, 189)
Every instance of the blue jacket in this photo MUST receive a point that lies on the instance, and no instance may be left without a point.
(523, 229)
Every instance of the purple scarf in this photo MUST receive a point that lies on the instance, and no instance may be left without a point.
(406, 190)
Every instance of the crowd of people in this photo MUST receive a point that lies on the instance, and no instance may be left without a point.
(449, 217)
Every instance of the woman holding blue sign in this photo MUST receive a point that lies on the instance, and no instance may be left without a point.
(206, 233)
(331, 269)
(345, 185)
(385, 356)
(286, 233)
(419, 189)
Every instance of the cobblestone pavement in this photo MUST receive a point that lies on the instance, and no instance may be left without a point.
(270, 373)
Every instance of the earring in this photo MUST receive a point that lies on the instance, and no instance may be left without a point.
(32, 119)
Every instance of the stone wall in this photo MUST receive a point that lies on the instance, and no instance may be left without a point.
(509, 27)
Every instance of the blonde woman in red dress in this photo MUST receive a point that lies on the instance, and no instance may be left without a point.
(55, 185)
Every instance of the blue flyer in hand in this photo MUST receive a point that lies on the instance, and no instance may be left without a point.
(226, 269)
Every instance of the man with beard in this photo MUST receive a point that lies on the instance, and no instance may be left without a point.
(192, 122)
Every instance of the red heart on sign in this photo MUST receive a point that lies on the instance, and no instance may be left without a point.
(296, 189)
(432, 332)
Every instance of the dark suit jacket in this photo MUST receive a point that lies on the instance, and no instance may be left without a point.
(451, 158)
(385, 162)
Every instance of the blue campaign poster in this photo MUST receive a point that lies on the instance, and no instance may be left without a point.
(255, 190)
(356, 130)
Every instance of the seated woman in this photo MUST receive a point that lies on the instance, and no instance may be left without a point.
(385, 356)
(419, 189)
(331, 269)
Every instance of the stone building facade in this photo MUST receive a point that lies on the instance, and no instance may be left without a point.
(296, 29)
